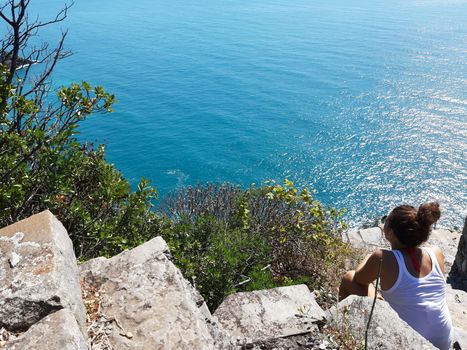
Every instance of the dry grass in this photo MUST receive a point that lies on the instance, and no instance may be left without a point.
(99, 325)
(343, 338)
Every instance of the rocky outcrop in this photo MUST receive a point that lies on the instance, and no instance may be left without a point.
(38, 273)
(457, 303)
(57, 331)
(387, 331)
(152, 305)
(460, 337)
(460, 266)
(268, 314)
(140, 300)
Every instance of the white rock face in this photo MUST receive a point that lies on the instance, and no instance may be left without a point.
(57, 331)
(154, 307)
(38, 273)
(266, 314)
(387, 330)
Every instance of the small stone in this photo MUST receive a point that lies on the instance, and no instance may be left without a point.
(379, 331)
(14, 259)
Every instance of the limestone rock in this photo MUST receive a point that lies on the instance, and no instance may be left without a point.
(447, 241)
(314, 340)
(152, 305)
(457, 304)
(57, 331)
(460, 266)
(368, 239)
(387, 330)
(266, 314)
(460, 336)
(38, 273)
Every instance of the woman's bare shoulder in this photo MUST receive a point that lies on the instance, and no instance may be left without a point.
(438, 252)
(439, 256)
(383, 253)
(386, 255)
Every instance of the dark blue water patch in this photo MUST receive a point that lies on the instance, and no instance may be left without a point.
(364, 101)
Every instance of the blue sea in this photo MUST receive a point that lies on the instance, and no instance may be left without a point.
(363, 101)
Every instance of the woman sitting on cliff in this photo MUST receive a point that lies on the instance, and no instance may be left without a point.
(412, 278)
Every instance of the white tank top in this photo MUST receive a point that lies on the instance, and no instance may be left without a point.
(421, 302)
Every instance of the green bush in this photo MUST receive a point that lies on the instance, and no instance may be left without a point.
(41, 169)
(226, 239)
(216, 258)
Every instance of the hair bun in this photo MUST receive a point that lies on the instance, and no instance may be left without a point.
(428, 214)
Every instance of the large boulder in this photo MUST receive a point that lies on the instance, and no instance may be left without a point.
(149, 303)
(387, 331)
(457, 304)
(368, 239)
(267, 314)
(460, 265)
(57, 331)
(38, 273)
(447, 241)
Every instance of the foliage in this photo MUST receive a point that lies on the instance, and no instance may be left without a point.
(43, 166)
(216, 258)
(226, 239)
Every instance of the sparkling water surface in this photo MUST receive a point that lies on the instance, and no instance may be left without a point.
(363, 101)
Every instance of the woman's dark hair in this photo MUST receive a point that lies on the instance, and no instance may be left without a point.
(412, 226)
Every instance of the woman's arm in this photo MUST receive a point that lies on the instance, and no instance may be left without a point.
(368, 269)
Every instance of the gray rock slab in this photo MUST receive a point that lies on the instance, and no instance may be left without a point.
(315, 340)
(460, 336)
(57, 331)
(457, 304)
(153, 306)
(373, 237)
(368, 239)
(460, 266)
(38, 272)
(387, 330)
(447, 241)
(272, 313)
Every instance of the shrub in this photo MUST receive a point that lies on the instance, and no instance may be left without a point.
(42, 165)
(93, 200)
(216, 258)
(226, 239)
